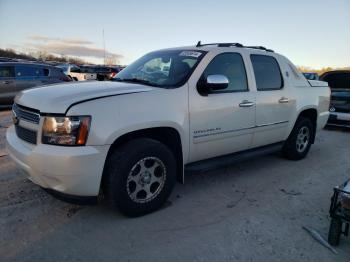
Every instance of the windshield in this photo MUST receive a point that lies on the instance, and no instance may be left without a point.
(162, 68)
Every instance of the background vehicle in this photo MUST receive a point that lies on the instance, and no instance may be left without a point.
(76, 73)
(339, 212)
(339, 82)
(311, 76)
(102, 72)
(193, 108)
(15, 77)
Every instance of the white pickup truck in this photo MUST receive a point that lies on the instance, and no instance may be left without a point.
(189, 108)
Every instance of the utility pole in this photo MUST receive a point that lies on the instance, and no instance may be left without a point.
(104, 47)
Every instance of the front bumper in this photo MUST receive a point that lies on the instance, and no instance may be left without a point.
(70, 170)
(339, 119)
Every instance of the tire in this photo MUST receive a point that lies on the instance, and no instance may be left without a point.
(299, 141)
(334, 233)
(140, 176)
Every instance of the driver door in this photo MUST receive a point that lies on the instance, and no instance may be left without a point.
(222, 121)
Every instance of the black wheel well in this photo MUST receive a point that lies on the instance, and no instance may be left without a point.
(312, 115)
(167, 135)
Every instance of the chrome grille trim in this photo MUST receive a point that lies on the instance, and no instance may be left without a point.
(26, 114)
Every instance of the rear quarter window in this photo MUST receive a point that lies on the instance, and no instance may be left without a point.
(267, 72)
(46, 72)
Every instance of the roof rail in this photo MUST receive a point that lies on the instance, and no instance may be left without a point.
(260, 48)
(199, 44)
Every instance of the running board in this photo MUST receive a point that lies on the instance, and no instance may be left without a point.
(230, 159)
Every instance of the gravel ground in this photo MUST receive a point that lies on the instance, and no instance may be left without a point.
(252, 211)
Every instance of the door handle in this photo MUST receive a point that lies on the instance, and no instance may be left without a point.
(246, 103)
(6, 82)
(283, 100)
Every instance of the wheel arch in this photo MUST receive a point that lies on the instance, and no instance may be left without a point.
(169, 136)
(310, 113)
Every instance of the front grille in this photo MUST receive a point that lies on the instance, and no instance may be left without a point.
(341, 108)
(30, 115)
(26, 134)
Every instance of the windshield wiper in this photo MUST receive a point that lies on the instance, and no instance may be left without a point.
(136, 80)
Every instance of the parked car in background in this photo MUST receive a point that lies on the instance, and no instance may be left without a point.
(76, 73)
(15, 77)
(194, 108)
(311, 76)
(339, 82)
(102, 72)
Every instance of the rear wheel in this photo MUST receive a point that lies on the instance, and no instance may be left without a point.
(140, 176)
(334, 233)
(299, 141)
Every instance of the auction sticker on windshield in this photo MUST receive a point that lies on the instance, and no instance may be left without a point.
(190, 53)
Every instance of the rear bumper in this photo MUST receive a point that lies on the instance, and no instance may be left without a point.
(70, 170)
(339, 119)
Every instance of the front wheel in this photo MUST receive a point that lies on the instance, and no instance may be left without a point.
(140, 176)
(299, 141)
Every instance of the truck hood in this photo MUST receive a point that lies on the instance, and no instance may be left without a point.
(59, 97)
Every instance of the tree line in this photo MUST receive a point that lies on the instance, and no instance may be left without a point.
(40, 56)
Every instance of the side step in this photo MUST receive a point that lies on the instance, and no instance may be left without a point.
(226, 160)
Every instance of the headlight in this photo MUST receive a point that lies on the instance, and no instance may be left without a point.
(69, 130)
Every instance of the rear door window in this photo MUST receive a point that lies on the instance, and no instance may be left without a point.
(267, 72)
(7, 71)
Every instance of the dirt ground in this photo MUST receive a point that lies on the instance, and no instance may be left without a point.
(252, 211)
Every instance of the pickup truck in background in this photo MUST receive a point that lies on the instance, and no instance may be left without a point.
(77, 73)
(339, 82)
(174, 110)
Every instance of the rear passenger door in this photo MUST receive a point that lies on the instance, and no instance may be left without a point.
(274, 103)
(7, 85)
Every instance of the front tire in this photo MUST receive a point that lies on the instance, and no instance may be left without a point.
(140, 176)
(299, 141)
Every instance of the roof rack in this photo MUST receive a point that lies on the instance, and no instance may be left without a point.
(260, 48)
(199, 44)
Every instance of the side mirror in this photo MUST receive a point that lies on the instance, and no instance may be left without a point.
(212, 82)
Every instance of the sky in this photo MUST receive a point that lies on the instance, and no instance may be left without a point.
(313, 33)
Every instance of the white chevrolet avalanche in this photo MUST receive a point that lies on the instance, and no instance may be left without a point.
(174, 110)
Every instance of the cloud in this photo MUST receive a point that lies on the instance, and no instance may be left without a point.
(68, 46)
(73, 41)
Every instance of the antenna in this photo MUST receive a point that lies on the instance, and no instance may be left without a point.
(104, 47)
